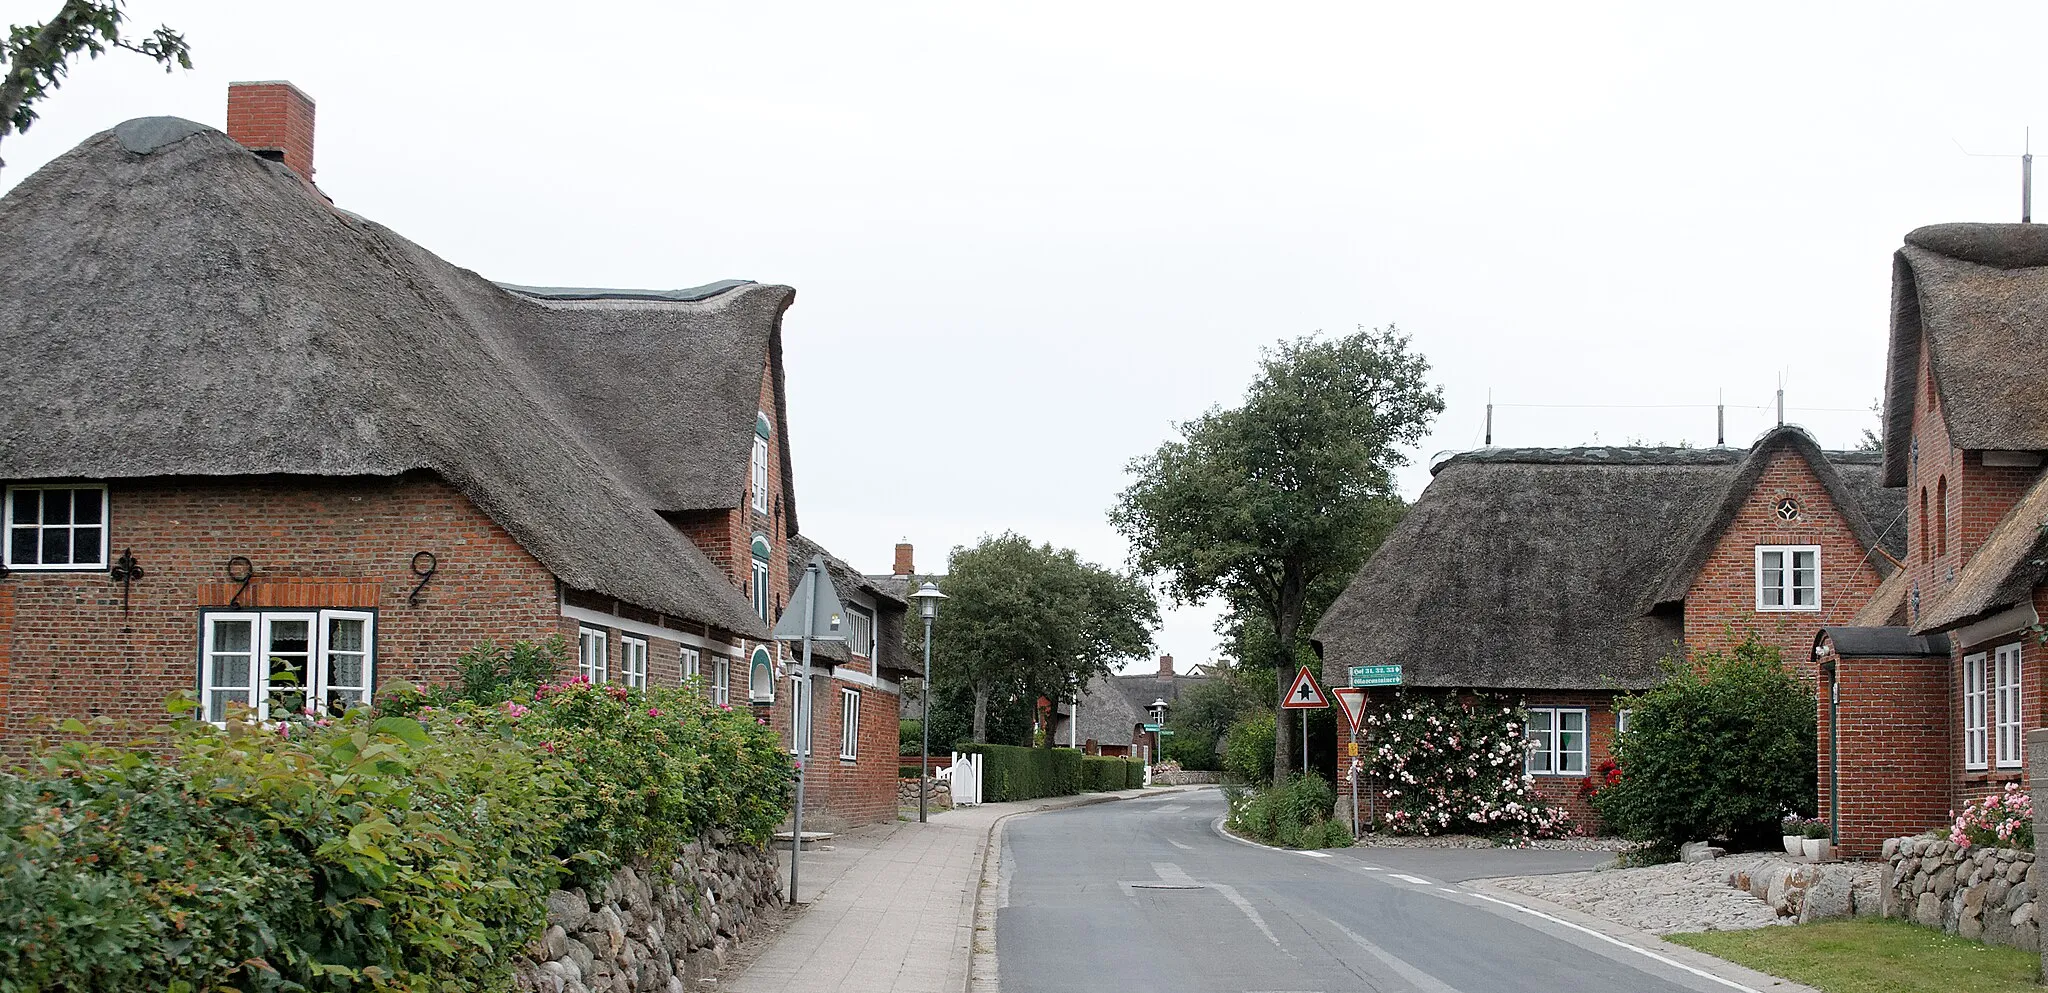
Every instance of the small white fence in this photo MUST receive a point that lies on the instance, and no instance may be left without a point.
(964, 779)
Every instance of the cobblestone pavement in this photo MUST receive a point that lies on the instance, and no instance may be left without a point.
(1663, 899)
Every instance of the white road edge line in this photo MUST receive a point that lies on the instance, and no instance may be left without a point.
(1417, 880)
(1610, 939)
(1315, 855)
(1422, 981)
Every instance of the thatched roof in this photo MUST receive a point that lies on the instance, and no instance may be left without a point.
(1555, 568)
(2003, 572)
(1111, 706)
(173, 305)
(1978, 296)
(1887, 606)
(889, 608)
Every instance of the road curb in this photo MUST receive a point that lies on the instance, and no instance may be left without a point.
(1719, 968)
(982, 965)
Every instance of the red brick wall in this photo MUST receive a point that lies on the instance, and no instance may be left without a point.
(1563, 791)
(839, 792)
(273, 116)
(1894, 747)
(1720, 608)
(71, 650)
(726, 536)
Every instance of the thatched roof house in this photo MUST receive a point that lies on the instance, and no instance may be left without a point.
(172, 305)
(1570, 569)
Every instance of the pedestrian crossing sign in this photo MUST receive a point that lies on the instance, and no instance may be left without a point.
(1305, 694)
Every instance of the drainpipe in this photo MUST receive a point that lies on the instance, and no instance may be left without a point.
(1829, 669)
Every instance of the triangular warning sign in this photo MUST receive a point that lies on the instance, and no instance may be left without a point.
(1304, 694)
(1351, 700)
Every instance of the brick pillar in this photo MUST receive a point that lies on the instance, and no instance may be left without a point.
(275, 120)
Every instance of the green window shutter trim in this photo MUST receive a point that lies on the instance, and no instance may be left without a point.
(762, 427)
(761, 549)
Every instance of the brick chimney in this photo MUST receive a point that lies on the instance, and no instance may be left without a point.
(275, 120)
(904, 567)
(1166, 668)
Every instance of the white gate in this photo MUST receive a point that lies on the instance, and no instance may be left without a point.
(964, 775)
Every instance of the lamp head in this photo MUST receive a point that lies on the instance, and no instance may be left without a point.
(928, 597)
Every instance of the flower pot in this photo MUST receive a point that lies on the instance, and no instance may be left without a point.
(1817, 849)
(1794, 844)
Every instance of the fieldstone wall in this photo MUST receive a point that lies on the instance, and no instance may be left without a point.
(938, 794)
(652, 930)
(1986, 894)
(1185, 777)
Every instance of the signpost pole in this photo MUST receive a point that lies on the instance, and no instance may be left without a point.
(1304, 742)
(800, 730)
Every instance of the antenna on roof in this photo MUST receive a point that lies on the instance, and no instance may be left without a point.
(1720, 418)
(1489, 418)
(2026, 158)
(1781, 399)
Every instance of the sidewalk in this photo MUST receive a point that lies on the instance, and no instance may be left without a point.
(892, 909)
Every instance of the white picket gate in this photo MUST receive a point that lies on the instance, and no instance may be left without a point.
(964, 776)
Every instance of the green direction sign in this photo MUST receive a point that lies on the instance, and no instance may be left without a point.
(1375, 675)
(1150, 728)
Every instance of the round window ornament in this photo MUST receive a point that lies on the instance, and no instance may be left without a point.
(1788, 509)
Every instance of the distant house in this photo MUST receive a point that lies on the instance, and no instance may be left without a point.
(1561, 577)
(1115, 709)
(857, 689)
(1939, 679)
(262, 449)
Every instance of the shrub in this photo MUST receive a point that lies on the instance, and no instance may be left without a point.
(1103, 774)
(1248, 749)
(2001, 820)
(1296, 815)
(1445, 765)
(910, 737)
(1721, 749)
(1013, 772)
(491, 675)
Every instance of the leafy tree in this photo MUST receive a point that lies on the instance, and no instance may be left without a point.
(1873, 441)
(1721, 749)
(1204, 714)
(1031, 620)
(1272, 504)
(1248, 748)
(38, 55)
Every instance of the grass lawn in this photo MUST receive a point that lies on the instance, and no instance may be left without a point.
(1873, 956)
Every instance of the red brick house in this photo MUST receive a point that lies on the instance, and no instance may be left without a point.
(1564, 576)
(1938, 680)
(263, 449)
(1114, 710)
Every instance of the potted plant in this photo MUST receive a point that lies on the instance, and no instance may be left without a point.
(1794, 828)
(1816, 845)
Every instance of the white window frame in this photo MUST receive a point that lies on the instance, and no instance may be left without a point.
(633, 661)
(593, 655)
(1787, 588)
(760, 475)
(799, 718)
(762, 578)
(2005, 697)
(849, 724)
(8, 527)
(721, 680)
(692, 663)
(1550, 747)
(1621, 721)
(255, 687)
(860, 634)
(1976, 725)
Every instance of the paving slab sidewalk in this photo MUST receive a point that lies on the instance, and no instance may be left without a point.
(892, 908)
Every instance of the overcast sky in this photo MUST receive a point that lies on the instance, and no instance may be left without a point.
(1026, 241)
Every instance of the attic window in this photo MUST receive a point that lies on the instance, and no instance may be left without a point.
(1788, 577)
(759, 479)
(56, 527)
(1788, 509)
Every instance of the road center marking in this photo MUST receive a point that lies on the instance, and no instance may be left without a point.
(1315, 855)
(1182, 847)
(1417, 880)
(1422, 981)
(1610, 939)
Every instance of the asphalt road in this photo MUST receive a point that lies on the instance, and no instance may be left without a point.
(1146, 895)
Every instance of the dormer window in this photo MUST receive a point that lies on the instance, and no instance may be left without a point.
(761, 575)
(56, 527)
(760, 475)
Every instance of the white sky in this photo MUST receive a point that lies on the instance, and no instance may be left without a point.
(1027, 240)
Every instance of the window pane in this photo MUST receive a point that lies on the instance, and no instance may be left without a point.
(231, 636)
(57, 507)
(217, 702)
(345, 634)
(28, 506)
(56, 546)
(85, 545)
(86, 506)
(26, 547)
(289, 650)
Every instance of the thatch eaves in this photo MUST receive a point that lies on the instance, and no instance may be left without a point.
(173, 305)
(890, 608)
(1977, 296)
(2003, 571)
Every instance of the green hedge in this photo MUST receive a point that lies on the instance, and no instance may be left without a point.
(1012, 772)
(409, 848)
(1102, 775)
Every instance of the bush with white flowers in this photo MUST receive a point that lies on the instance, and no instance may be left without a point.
(1443, 765)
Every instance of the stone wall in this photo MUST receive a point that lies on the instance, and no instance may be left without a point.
(1986, 894)
(1186, 777)
(652, 931)
(938, 794)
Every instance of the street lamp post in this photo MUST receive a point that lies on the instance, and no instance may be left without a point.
(1158, 735)
(927, 597)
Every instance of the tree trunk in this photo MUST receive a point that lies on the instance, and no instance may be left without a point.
(1286, 624)
(981, 712)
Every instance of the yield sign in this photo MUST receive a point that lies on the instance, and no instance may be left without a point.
(1352, 701)
(1304, 694)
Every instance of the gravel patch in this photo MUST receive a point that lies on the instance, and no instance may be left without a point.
(1473, 841)
(1661, 898)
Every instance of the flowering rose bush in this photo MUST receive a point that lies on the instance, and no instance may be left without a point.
(1445, 766)
(2001, 820)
